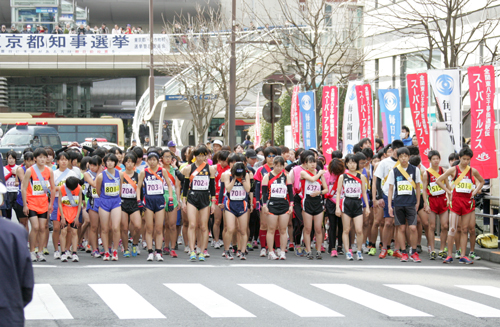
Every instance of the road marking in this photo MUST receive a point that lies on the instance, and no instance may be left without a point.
(46, 305)
(290, 301)
(125, 302)
(372, 301)
(483, 289)
(454, 302)
(213, 304)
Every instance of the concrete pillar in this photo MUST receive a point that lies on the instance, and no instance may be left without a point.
(141, 85)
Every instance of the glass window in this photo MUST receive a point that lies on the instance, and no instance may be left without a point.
(213, 129)
(15, 140)
(66, 128)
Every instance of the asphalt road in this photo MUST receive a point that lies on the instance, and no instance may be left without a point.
(259, 292)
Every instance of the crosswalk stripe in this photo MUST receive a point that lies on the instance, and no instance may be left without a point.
(290, 301)
(454, 302)
(118, 297)
(46, 305)
(213, 304)
(483, 289)
(372, 301)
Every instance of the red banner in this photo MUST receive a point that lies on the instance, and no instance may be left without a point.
(482, 93)
(295, 117)
(330, 120)
(365, 110)
(418, 93)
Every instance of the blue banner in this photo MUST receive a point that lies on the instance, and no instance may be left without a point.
(307, 105)
(46, 10)
(390, 109)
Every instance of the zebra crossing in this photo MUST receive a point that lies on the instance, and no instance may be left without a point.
(48, 305)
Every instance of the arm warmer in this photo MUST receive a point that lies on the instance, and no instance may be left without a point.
(221, 192)
(64, 148)
(257, 190)
(265, 194)
(379, 189)
(290, 192)
(185, 188)
(290, 166)
(211, 186)
(179, 175)
(252, 185)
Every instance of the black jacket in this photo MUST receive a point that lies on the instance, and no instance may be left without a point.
(143, 130)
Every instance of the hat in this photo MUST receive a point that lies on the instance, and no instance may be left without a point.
(94, 139)
(28, 26)
(313, 150)
(251, 154)
(134, 141)
(219, 142)
(171, 143)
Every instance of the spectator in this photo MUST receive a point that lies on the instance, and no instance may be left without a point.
(103, 29)
(73, 31)
(217, 145)
(173, 148)
(252, 27)
(133, 145)
(143, 131)
(57, 30)
(67, 30)
(95, 145)
(26, 29)
(177, 32)
(405, 136)
(165, 133)
(139, 30)
(3, 30)
(116, 30)
(87, 30)
(147, 141)
(14, 30)
(37, 30)
(128, 30)
(96, 30)
(81, 30)
(247, 142)
(134, 30)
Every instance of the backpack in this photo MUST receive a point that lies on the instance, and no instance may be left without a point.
(488, 241)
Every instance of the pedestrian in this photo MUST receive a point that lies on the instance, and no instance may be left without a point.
(3, 30)
(116, 30)
(143, 131)
(14, 30)
(26, 29)
(16, 273)
(173, 148)
(247, 142)
(405, 136)
(165, 133)
(147, 141)
(104, 29)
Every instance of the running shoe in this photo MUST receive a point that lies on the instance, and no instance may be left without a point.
(179, 240)
(36, 249)
(166, 251)
(433, 255)
(75, 258)
(323, 249)
(365, 249)
(173, 254)
(442, 255)
(80, 247)
(278, 252)
(474, 256)
(238, 253)
(144, 245)
(373, 251)
(415, 257)
(249, 247)
(255, 245)
(106, 256)
(228, 255)
(126, 254)
(201, 257)
(134, 251)
(41, 257)
(350, 250)
(445, 249)
(291, 247)
(397, 254)
(263, 252)
(224, 253)
(404, 257)
(318, 255)
(45, 251)
(283, 256)
(383, 254)
(206, 254)
(458, 254)
(217, 245)
(97, 254)
(70, 256)
(272, 256)
(390, 252)
(57, 255)
(419, 248)
(187, 249)
(243, 256)
(309, 255)
(151, 256)
(159, 257)
(359, 255)
(64, 258)
(465, 260)
(348, 256)
(192, 256)
(448, 259)
(340, 251)
(299, 251)
(212, 243)
(138, 250)
(334, 254)
(115, 256)
(198, 250)
(88, 249)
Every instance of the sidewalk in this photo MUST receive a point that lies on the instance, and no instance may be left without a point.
(492, 255)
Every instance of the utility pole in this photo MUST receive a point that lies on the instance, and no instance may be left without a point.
(151, 62)
(232, 82)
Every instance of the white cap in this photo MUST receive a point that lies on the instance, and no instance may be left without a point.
(219, 142)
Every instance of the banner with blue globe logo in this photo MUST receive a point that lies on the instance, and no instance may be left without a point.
(390, 109)
(307, 105)
(446, 87)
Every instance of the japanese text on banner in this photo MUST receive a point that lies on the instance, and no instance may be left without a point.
(330, 106)
(418, 93)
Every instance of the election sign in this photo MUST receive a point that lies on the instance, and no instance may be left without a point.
(482, 94)
(391, 114)
(350, 126)
(330, 120)
(307, 105)
(295, 117)
(418, 94)
(365, 112)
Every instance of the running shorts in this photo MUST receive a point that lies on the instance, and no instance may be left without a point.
(438, 204)
(313, 205)
(199, 199)
(110, 204)
(237, 208)
(154, 203)
(462, 205)
(129, 206)
(405, 214)
(351, 207)
(278, 207)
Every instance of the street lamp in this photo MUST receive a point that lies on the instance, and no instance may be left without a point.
(151, 70)
(232, 82)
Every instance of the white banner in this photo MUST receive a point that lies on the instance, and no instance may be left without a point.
(446, 87)
(350, 126)
(72, 44)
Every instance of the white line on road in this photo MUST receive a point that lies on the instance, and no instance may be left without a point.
(307, 266)
(46, 305)
(213, 304)
(290, 301)
(483, 289)
(125, 302)
(454, 302)
(372, 301)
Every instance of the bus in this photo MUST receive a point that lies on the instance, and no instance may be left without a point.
(71, 129)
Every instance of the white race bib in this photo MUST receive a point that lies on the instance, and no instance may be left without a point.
(200, 183)
(128, 191)
(154, 187)
(11, 185)
(111, 189)
(278, 191)
(238, 193)
(312, 187)
(352, 190)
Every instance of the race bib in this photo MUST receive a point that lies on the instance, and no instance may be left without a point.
(128, 191)
(65, 200)
(312, 187)
(238, 193)
(94, 193)
(38, 188)
(435, 189)
(278, 191)
(111, 189)
(200, 183)
(11, 185)
(154, 187)
(465, 186)
(404, 188)
(352, 190)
